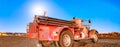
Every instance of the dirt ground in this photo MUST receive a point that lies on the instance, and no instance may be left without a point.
(15, 41)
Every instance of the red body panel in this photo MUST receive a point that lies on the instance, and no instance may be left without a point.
(31, 31)
(44, 32)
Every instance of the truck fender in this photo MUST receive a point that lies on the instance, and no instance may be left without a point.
(58, 31)
(92, 32)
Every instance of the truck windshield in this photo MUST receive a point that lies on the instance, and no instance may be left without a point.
(85, 22)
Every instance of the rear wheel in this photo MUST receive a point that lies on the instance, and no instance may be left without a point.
(45, 43)
(66, 39)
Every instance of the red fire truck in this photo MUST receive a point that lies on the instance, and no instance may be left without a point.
(62, 33)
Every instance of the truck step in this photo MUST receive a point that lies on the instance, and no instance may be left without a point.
(84, 40)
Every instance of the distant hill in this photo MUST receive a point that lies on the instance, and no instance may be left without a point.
(111, 35)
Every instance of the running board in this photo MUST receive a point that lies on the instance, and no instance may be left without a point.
(84, 40)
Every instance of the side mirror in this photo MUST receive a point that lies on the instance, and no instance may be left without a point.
(73, 17)
(82, 20)
(89, 21)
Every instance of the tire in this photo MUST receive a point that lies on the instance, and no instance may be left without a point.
(95, 38)
(66, 39)
(94, 34)
(45, 43)
(40, 43)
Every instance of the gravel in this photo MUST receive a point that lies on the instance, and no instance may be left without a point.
(17, 41)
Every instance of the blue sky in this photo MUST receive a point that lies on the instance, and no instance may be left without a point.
(16, 14)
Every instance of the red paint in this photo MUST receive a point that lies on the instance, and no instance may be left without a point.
(51, 32)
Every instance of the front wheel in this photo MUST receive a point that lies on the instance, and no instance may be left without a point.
(95, 38)
(66, 39)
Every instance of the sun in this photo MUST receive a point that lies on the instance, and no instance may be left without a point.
(38, 10)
